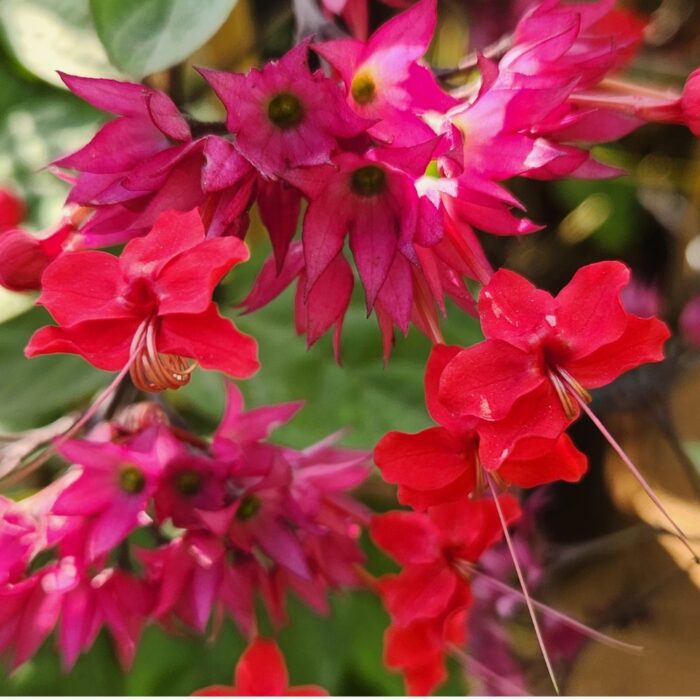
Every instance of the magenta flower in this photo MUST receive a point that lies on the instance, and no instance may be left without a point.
(384, 80)
(377, 205)
(114, 485)
(284, 116)
(20, 539)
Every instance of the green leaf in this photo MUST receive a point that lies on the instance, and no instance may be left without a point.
(37, 391)
(147, 36)
(50, 35)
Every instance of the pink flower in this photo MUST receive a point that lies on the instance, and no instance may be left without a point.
(689, 321)
(284, 116)
(384, 80)
(20, 539)
(113, 488)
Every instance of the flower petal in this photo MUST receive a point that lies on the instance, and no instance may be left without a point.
(210, 339)
(486, 379)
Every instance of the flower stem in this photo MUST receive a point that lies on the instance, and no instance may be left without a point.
(24, 471)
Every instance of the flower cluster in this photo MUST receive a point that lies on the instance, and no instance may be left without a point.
(395, 169)
(226, 520)
(386, 158)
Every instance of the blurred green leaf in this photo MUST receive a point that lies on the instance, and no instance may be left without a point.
(50, 35)
(36, 391)
(38, 123)
(146, 36)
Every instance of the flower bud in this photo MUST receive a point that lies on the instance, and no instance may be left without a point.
(22, 261)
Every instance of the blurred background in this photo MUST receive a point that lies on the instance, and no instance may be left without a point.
(604, 553)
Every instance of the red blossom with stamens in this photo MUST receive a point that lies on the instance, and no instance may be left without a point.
(542, 353)
(157, 293)
(261, 670)
(429, 599)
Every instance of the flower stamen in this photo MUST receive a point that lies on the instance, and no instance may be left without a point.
(155, 371)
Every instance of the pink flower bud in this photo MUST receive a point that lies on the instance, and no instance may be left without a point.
(22, 261)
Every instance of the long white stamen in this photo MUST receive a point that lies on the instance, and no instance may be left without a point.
(638, 476)
(552, 612)
(523, 585)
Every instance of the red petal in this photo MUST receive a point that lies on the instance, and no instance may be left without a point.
(590, 311)
(83, 286)
(470, 527)
(210, 339)
(440, 357)
(537, 414)
(419, 591)
(261, 670)
(562, 462)
(486, 379)
(186, 283)
(104, 344)
(172, 233)
(420, 500)
(427, 460)
(642, 341)
(304, 690)
(410, 538)
(513, 309)
(216, 691)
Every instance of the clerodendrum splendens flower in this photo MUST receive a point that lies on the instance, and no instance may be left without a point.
(150, 306)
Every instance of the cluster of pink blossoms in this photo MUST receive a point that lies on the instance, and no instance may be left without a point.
(227, 520)
(379, 155)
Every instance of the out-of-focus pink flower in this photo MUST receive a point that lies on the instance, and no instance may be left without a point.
(690, 321)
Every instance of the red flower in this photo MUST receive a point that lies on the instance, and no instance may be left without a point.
(439, 465)
(429, 600)
(261, 670)
(156, 296)
(542, 353)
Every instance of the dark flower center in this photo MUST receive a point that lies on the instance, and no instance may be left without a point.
(285, 110)
(368, 181)
(363, 88)
(140, 296)
(250, 505)
(131, 479)
(188, 482)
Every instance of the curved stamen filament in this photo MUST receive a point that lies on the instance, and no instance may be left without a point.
(638, 476)
(569, 390)
(156, 371)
